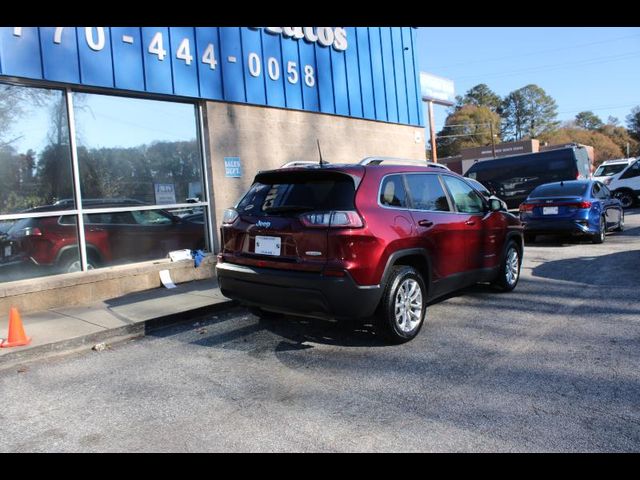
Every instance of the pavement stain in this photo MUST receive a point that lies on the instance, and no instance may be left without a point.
(91, 440)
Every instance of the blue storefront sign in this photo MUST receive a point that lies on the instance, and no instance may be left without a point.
(232, 167)
(363, 72)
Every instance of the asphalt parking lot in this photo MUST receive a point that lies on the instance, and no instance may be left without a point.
(550, 367)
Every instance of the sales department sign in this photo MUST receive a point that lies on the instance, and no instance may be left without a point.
(363, 72)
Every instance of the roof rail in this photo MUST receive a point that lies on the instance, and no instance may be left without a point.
(301, 163)
(400, 161)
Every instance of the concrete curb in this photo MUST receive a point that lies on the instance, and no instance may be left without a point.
(111, 336)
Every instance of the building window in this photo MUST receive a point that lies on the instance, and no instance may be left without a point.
(35, 158)
(145, 150)
(140, 176)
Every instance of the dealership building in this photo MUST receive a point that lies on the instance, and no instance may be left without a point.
(119, 145)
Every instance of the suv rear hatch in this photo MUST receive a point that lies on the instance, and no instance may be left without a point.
(284, 219)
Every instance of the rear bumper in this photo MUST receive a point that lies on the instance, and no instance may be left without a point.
(301, 293)
(570, 227)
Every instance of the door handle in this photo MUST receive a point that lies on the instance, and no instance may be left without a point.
(425, 223)
(470, 222)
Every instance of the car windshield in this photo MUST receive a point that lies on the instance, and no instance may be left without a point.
(571, 189)
(608, 170)
(298, 192)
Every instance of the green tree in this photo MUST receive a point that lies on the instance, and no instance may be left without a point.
(633, 122)
(527, 113)
(469, 126)
(588, 120)
(480, 96)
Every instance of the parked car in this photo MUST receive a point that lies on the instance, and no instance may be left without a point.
(111, 237)
(625, 185)
(578, 207)
(364, 241)
(513, 178)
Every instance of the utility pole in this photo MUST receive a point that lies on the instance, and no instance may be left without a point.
(493, 142)
(432, 132)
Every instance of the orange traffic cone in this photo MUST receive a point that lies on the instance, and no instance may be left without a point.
(16, 337)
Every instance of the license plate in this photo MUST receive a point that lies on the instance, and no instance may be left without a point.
(7, 251)
(549, 210)
(268, 245)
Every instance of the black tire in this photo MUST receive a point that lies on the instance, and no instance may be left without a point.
(600, 236)
(509, 272)
(529, 238)
(405, 294)
(626, 198)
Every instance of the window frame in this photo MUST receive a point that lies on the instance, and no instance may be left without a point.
(452, 201)
(444, 190)
(80, 211)
(408, 198)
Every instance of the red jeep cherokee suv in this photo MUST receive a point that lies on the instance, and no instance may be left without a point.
(364, 240)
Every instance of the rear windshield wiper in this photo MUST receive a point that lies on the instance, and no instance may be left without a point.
(288, 208)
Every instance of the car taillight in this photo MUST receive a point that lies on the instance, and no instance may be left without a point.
(31, 232)
(230, 215)
(333, 219)
(526, 207)
(579, 205)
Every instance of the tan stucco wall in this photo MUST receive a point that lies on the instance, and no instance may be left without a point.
(266, 138)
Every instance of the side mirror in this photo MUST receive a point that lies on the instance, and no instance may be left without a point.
(495, 205)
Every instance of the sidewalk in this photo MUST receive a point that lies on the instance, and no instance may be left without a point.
(65, 330)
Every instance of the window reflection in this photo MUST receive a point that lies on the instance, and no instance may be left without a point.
(122, 237)
(35, 159)
(145, 150)
(33, 247)
(131, 153)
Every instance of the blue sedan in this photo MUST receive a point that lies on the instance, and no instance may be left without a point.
(575, 207)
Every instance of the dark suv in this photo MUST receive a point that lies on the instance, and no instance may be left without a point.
(366, 240)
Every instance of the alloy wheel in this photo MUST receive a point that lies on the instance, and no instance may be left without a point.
(512, 269)
(408, 305)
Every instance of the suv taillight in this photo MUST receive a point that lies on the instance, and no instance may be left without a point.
(30, 232)
(333, 219)
(230, 215)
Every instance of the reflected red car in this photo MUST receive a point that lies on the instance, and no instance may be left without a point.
(111, 238)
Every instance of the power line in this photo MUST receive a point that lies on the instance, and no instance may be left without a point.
(593, 61)
(467, 125)
(538, 52)
(460, 135)
(603, 107)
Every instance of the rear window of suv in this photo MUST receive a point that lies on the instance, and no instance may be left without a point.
(274, 193)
